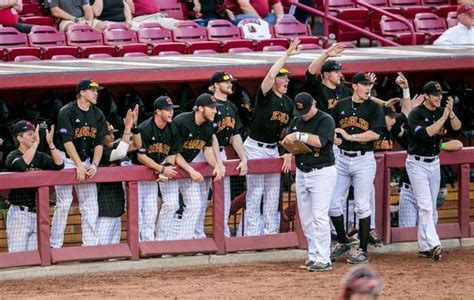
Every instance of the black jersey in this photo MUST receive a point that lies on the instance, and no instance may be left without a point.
(357, 118)
(158, 143)
(193, 137)
(15, 162)
(271, 116)
(419, 142)
(85, 129)
(227, 122)
(326, 98)
(323, 126)
(385, 142)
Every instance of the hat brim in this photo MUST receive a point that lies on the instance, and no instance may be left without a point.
(438, 93)
(168, 107)
(365, 82)
(112, 131)
(301, 112)
(284, 74)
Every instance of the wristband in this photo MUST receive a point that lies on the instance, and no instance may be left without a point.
(52, 149)
(94, 165)
(406, 93)
(453, 117)
(443, 146)
(303, 137)
(135, 129)
(76, 19)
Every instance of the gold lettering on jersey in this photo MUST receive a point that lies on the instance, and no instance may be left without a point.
(280, 117)
(354, 122)
(85, 131)
(226, 122)
(383, 145)
(158, 148)
(32, 169)
(332, 103)
(194, 144)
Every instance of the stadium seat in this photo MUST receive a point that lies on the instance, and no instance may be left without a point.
(14, 43)
(291, 28)
(51, 41)
(172, 8)
(399, 32)
(159, 39)
(205, 51)
(375, 16)
(38, 20)
(88, 40)
(99, 56)
(30, 9)
(270, 41)
(24, 58)
(62, 57)
(409, 8)
(440, 7)
(273, 48)
(240, 50)
(227, 34)
(194, 36)
(124, 39)
(452, 19)
(165, 53)
(134, 54)
(346, 11)
(429, 24)
(305, 47)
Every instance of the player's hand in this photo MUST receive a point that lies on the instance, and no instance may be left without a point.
(448, 110)
(161, 177)
(36, 136)
(135, 113)
(391, 102)
(91, 171)
(242, 167)
(401, 81)
(335, 50)
(196, 176)
(218, 173)
(128, 120)
(372, 77)
(169, 171)
(286, 167)
(337, 141)
(292, 49)
(80, 173)
(343, 133)
(290, 139)
(50, 137)
(417, 100)
(222, 167)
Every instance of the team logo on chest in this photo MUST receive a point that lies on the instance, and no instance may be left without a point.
(280, 117)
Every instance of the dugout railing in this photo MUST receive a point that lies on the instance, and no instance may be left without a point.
(217, 243)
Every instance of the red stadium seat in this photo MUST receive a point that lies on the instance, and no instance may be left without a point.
(51, 42)
(23, 58)
(134, 54)
(240, 50)
(452, 19)
(345, 10)
(227, 34)
(172, 8)
(124, 39)
(440, 7)
(291, 28)
(272, 41)
(99, 56)
(429, 24)
(399, 32)
(194, 36)
(62, 57)
(305, 47)
(409, 8)
(14, 43)
(165, 53)
(88, 40)
(159, 39)
(38, 20)
(30, 9)
(375, 16)
(273, 48)
(205, 51)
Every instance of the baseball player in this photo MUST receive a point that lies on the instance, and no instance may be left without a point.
(315, 178)
(359, 123)
(228, 127)
(196, 132)
(426, 129)
(21, 217)
(272, 114)
(111, 196)
(158, 146)
(82, 127)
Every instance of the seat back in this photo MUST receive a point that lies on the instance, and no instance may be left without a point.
(44, 36)
(153, 33)
(404, 3)
(379, 3)
(290, 28)
(429, 22)
(435, 2)
(221, 30)
(83, 35)
(273, 48)
(172, 8)
(390, 26)
(118, 34)
(452, 19)
(189, 31)
(335, 4)
(23, 58)
(10, 37)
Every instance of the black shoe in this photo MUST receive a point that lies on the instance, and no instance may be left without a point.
(424, 254)
(320, 267)
(308, 263)
(340, 250)
(374, 239)
(358, 257)
(436, 252)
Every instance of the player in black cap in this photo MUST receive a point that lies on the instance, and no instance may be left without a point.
(196, 132)
(315, 177)
(228, 128)
(427, 126)
(158, 144)
(21, 217)
(82, 127)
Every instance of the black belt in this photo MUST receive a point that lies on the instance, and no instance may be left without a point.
(269, 146)
(309, 169)
(406, 185)
(221, 148)
(425, 159)
(26, 208)
(352, 154)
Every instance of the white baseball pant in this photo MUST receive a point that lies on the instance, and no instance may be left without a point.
(88, 206)
(425, 182)
(170, 204)
(258, 185)
(313, 193)
(21, 229)
(147, 209)
(227, 199)
(109, 230)
(261, 224)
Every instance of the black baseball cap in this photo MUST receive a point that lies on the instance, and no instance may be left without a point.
(388, 111)
(433, 88)
(87, 84)
(283, 72)
(303, 103)
(164, 102)
(206, 100)
(362, 78)
(22, 126)
(221, 77)
(331, 65)
(110, 128)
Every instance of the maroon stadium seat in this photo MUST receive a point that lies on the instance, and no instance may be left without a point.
(134, 54)
(452, 19)
(62, 57)
(30, 9)
(291, 28)
(14, 43)
(124, 39)
(165, 53)
(38, 20)
(305, 47)
(345, 10)
(172, 8)
(159, 39)
(99, 56)
(399, 32)
(375, 16)
(273, 41)
(51, 41)
(240, 50)
(273, 48)
(88, 40)
(409, 8)
(194, 36)
(23, 58)
(227, 34)
(429, 24)
(440, 7)
(205, 51)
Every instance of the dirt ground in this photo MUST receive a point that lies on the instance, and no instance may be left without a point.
(404, 276)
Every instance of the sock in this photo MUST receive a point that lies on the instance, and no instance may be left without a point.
(338, 223)
(364, 228)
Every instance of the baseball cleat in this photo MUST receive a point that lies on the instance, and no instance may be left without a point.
(320, 267)
(424, 254)
(358, 257)
(374, 239)
(436, 252)
(340, 250)
(308, 263)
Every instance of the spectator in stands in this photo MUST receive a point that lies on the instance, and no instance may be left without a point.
(149, 11)
(9, 10)
(112, 11)
(463, 32)
(298, 13)
(74, 11)
(247, 9)
(21, 219)
(206, 11)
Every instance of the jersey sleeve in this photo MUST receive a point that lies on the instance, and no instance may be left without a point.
(15, 162)
(47, 162)
(66, 126)
(377, 122)
(325, 131)
(417, 125)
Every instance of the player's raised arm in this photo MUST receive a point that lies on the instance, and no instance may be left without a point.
(333, 51)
